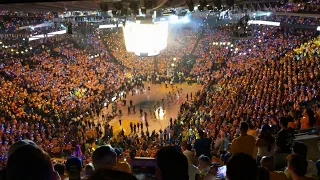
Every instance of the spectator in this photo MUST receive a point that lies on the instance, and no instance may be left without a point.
(284, 142)
(263, 174)
(301, 149)
(30, 163)
(204, 164)
(54, 97)
(245, 143)
(252, 131)
(212, 173)
(292, 123)
(187, 151)
(74, 168)
(317, 116)
(122, 164)
(109, 174)
(202, 145)
(297, 167)
(88, 171)
(308, 119)
(173, 165)
(59, 168)
(318, 167)
(242, 166)
(265, 143)
(193, 171)
(267, 162)
(20, 144)
(226, 158)
(221, 145)
(104, 157)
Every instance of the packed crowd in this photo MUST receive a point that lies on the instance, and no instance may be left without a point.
(259, 80)
(293, 20)
(213, 48)
(173, 162)
(29, 24)
(256, 92)
(311, 7)
(55, 91)
(233, 84)
(48, 83)
(181, 41)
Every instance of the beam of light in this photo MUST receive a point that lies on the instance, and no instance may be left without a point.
(32, 38)
(45, 24)
(109, 26)
(269, 23)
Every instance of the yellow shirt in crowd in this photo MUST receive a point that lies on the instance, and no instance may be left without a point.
(278, 176)
(124, 167)
(243, 144)
(252, 132)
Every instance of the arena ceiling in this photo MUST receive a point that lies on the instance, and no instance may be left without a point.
(60, 6)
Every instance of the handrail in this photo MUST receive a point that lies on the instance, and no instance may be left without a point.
(313, 130)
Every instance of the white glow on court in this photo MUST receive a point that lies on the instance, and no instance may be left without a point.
(146, 38)
(160, 113)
